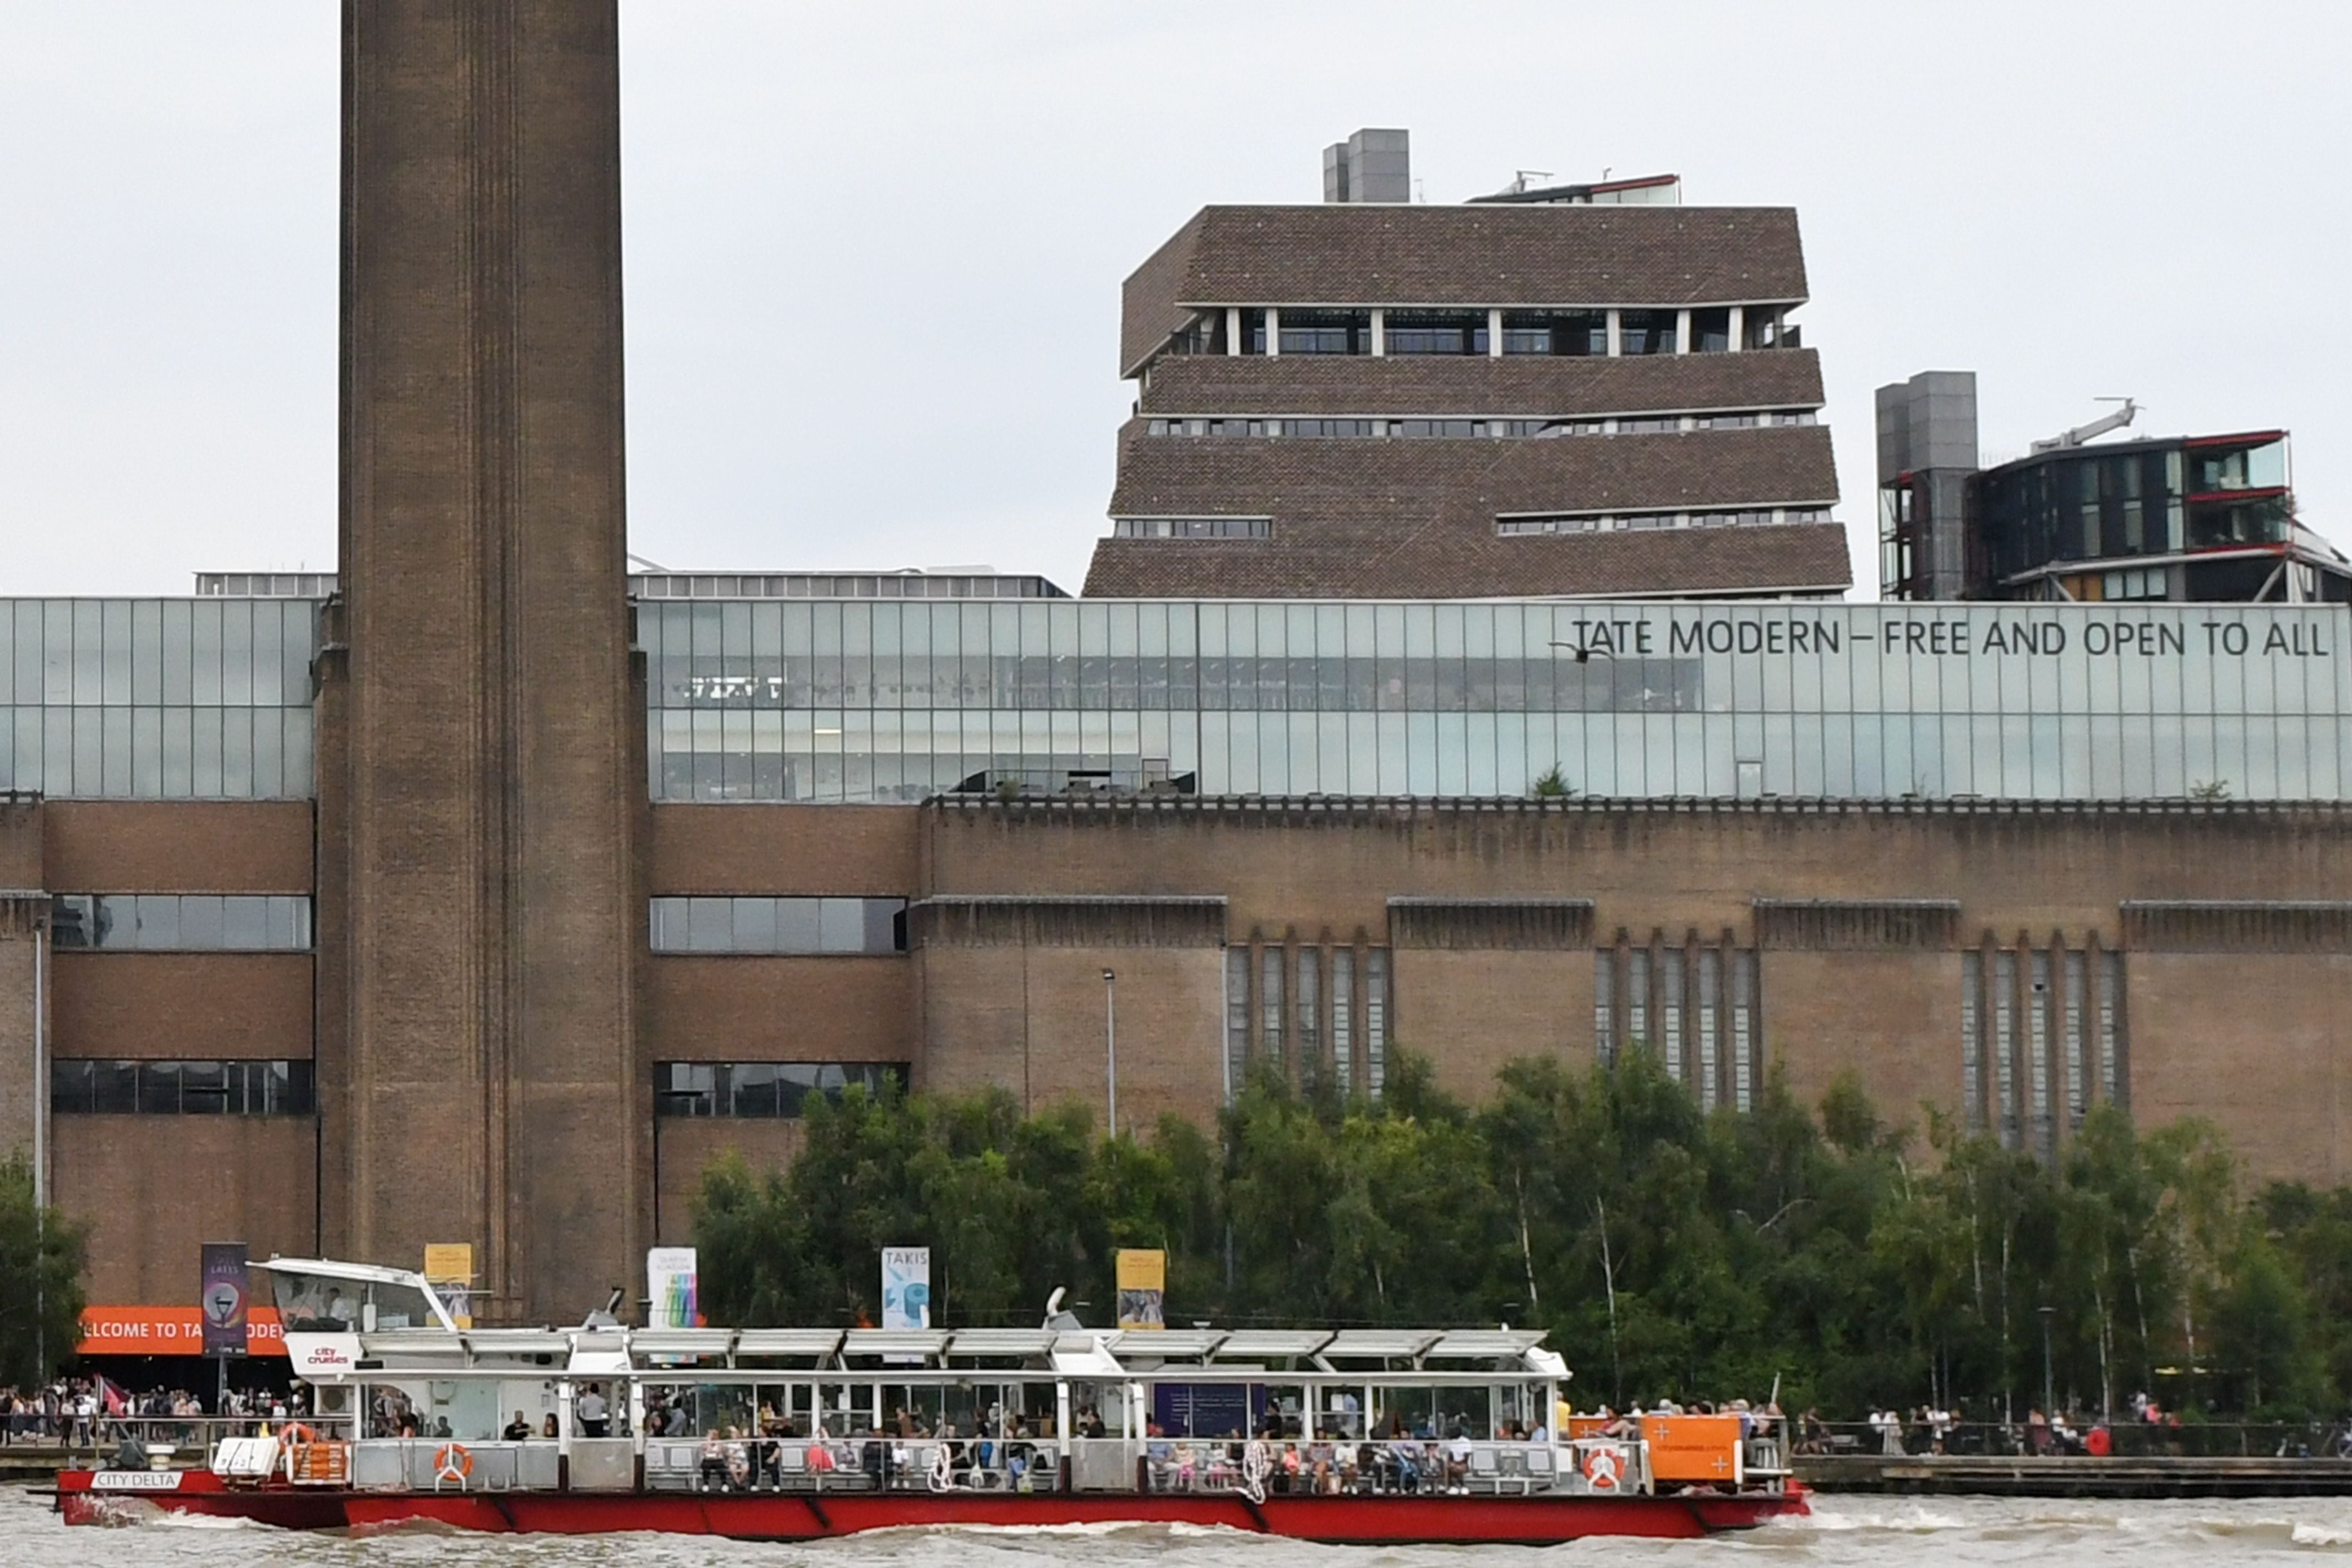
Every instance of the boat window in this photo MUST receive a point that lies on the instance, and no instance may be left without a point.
(323, 1304)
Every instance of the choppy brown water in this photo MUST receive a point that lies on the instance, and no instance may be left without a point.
(1853, 1531)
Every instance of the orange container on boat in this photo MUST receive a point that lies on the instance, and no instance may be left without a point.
(1694, 1447)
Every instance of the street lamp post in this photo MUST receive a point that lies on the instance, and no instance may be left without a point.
(1110, 1043)
(2049, 1395)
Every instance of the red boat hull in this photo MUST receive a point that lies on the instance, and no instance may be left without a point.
(808, 1516)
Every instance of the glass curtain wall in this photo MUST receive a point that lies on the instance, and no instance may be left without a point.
(157, 699)
(873, 701)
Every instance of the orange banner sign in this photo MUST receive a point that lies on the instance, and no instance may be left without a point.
(169, 1331)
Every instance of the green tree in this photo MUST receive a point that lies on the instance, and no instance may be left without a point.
(1668, 1250)
(41, 1256)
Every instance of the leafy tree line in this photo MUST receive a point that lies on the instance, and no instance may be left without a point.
(41, 1256)
(1670, 1253)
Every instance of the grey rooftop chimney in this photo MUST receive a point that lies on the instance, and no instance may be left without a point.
(1369, 166)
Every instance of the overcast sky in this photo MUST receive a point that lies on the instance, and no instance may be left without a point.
(874, 250)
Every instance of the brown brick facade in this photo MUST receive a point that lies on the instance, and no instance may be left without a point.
(481, 772)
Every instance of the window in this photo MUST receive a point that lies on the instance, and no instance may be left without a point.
(779, 925)
(1745, 1065)
(765, 1091)
(1710, 329)
(1637, 999)
(1310, 1016)
(1710, 1010)
(1192, 527)
(78, 1086)
(1343, 1038)
(1669, 1002)
(1647, 332)
(1270, 998)
(1436, 331)
(182, 923)
(1971, 1042)
(1326, 332)
(1752, 517)
(2140, 582)
(2071, 1037)
(1604, 1006)
(1578, 333)
(2114, 1082)
(1237, 980)
(2071, 1041)
(1376, 1021)
(2004, 1042)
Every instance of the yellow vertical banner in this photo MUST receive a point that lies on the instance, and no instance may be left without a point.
(1143, 1288)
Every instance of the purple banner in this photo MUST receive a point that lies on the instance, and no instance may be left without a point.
(223, 1297)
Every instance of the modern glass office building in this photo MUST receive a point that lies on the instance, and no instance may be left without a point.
(856, 699)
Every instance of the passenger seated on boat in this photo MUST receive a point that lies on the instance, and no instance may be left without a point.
(1187, 1466)
(738, 1459)
(712, 1472)
(1457, 1459)
(548, 1428)
(518, 1429)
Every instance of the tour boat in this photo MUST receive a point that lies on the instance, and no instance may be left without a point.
(1348, 1436)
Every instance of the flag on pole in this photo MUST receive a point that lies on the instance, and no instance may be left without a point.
(110, 1398)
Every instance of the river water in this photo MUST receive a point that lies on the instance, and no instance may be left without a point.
(1929, 1533)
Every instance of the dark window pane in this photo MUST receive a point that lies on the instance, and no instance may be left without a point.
(753, 1086)
(114, 1088)
(204, 1087)
(72, 1085)
(159, 1088)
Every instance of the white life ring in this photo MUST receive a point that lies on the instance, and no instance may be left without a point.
(1604, 1465)
(1257, 1463)
(942, 1476)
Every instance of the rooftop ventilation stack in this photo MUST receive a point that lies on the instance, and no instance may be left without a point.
(1369, 166)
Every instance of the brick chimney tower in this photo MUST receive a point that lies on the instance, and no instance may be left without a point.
(481, 779)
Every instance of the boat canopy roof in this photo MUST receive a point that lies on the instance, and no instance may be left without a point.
(1090, 1352)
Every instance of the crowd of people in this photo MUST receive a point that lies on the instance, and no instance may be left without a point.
(1933, 1429)
(89, 1411)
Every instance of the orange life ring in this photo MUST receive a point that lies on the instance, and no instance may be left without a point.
(294, 1431)
(1603, 1463)
(451, 1459)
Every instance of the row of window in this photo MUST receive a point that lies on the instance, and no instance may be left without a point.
(171, 653)
(779, 925)
(829, 585)
(2041, 1033)
(768, 1089)
(1573, 332)
(157, 753)
(1697, 1010)
(1435, 429)
(1612, 521)
(1310, 1005)
(182, 923)
(1192, 528)
(181, 1088)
